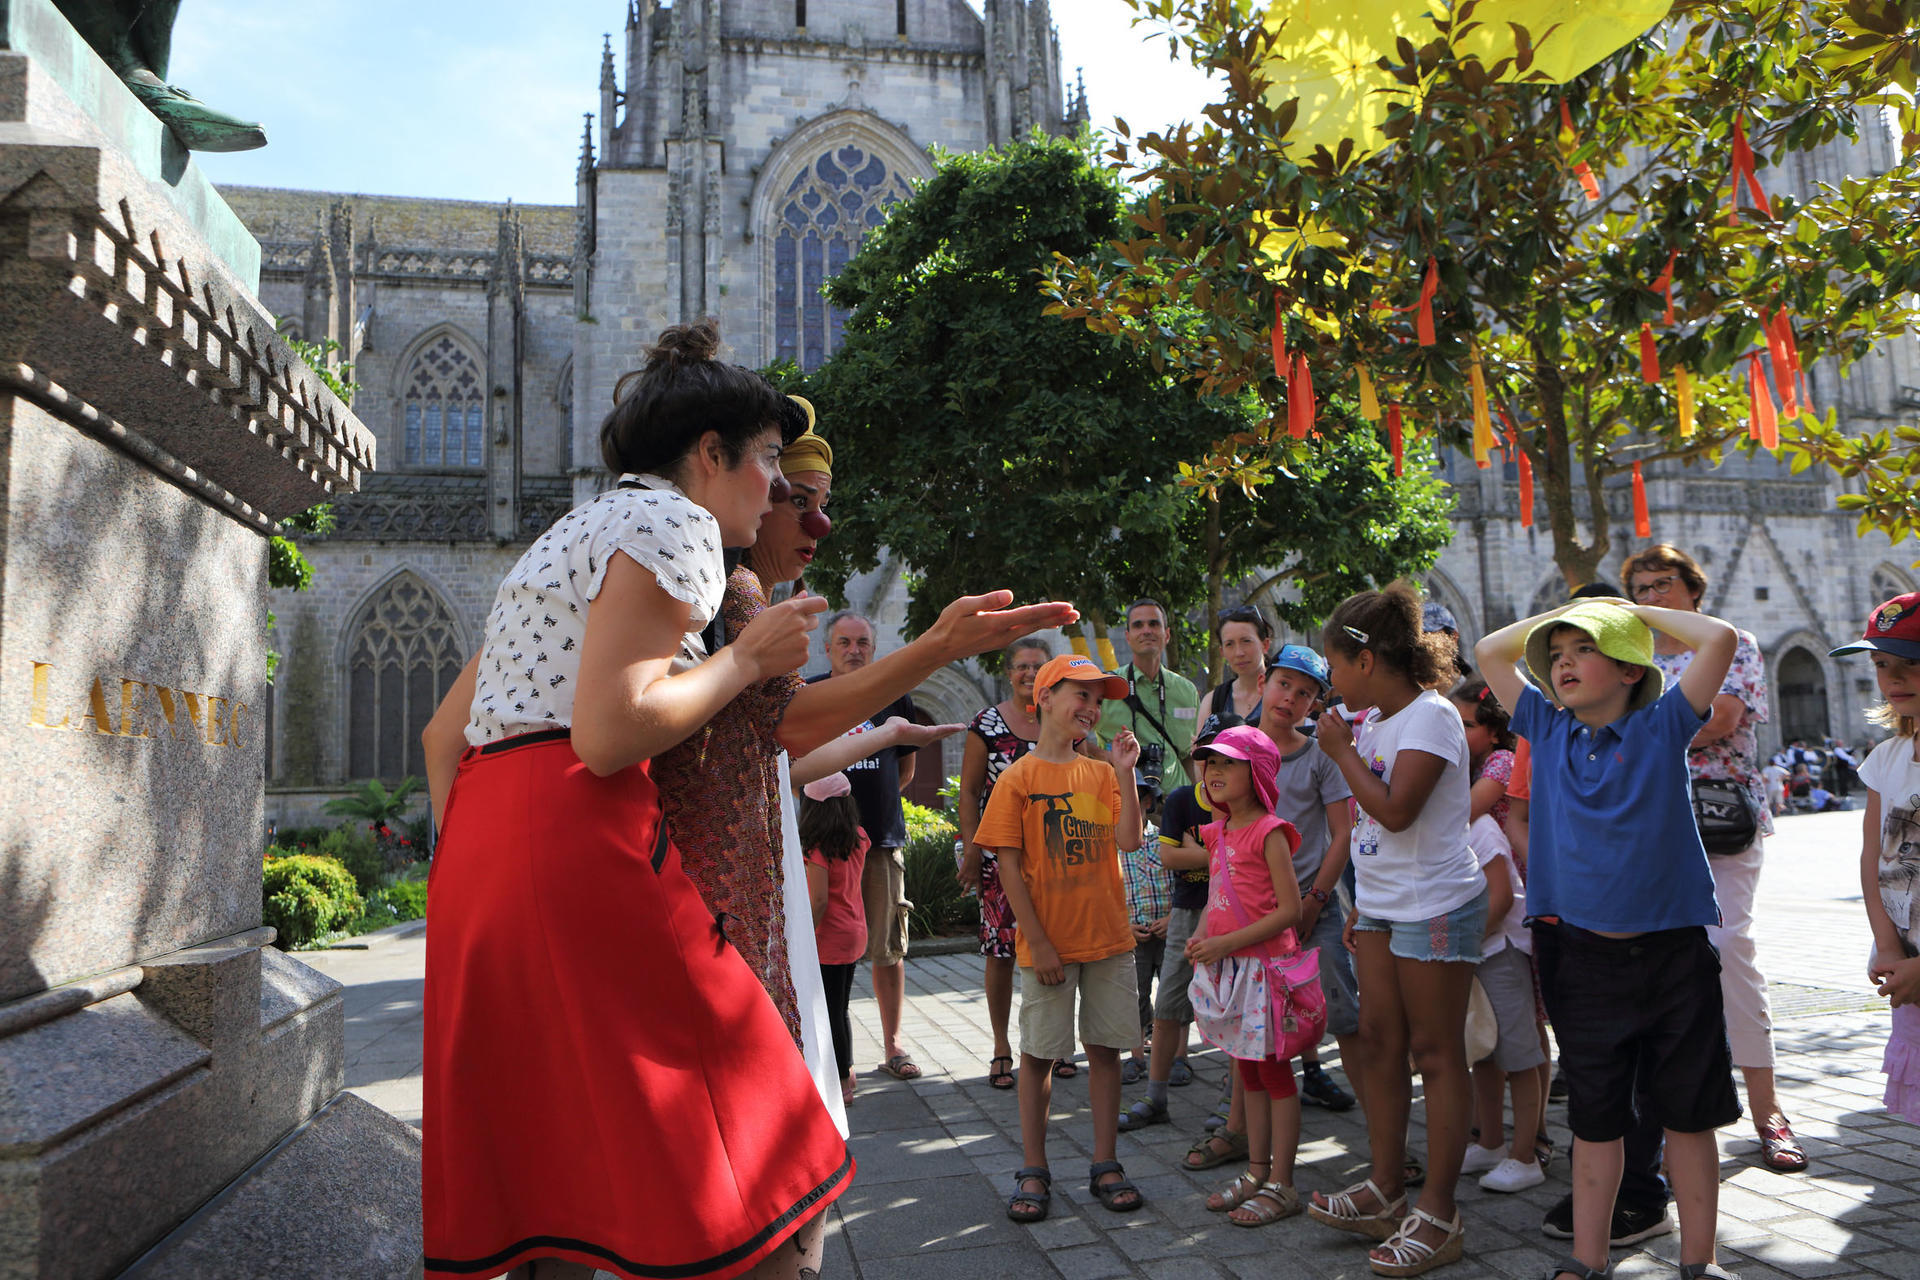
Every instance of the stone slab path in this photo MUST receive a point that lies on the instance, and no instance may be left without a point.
(936, 1156)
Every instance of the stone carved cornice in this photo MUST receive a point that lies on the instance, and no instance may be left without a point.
(168, 346)
(286, 258)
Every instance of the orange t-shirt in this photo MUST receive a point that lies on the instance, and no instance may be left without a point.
(1520, 784)
(1061, 819)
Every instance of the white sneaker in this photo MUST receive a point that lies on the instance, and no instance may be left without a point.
(1480, 1159)
(1511, 1175)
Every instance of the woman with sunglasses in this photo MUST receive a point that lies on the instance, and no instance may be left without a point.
(1725, 748)
(1244, 636)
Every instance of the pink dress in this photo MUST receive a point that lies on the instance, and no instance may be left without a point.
(1242, 855)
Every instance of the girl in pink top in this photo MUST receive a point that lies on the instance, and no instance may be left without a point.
(836, 848)
(1252, 907)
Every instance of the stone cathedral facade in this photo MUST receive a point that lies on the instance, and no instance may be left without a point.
(739, 151)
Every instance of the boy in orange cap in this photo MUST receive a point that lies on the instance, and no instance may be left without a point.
(1052, 821)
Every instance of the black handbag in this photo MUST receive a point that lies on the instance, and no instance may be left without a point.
(1723, 811)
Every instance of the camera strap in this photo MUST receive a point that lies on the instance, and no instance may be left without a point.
(1139, 708)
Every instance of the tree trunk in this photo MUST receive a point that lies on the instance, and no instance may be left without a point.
(1575, 560)
(1216, 585)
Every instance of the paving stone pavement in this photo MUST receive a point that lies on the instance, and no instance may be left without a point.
(936, 1155)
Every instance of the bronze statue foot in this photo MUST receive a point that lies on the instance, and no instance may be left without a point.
(198, 126)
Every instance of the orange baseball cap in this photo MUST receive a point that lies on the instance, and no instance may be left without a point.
(1075, 666)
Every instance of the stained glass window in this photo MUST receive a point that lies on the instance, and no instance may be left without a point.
(444, 408)
(823, 215)
(404, 656)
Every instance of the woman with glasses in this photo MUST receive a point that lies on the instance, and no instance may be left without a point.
(1244, 636)
(1725, 749)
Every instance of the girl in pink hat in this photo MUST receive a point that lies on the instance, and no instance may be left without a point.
(1253, 903)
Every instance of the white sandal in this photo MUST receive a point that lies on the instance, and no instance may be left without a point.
(1240, 1190)
(1411, 1256)
(1342, 1214)
(1270, 1203)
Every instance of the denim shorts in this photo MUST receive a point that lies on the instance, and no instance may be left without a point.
(1453, 936)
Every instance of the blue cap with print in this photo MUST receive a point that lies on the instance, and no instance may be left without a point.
(1297, 657)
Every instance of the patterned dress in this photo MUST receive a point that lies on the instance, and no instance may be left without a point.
(1004, 746)
(721, 792)
(1735, 757)
(1498, 764)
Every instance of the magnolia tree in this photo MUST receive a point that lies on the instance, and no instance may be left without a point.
(1478, 235)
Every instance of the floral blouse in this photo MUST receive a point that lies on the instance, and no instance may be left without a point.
(1498, 764)
(1737, 756)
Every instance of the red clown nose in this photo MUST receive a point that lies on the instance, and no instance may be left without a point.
(816, 525)
(778, 490)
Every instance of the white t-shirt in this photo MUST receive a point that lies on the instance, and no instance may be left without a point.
(531, 655)
(1488, 843)
(1894, 775)
(1427, 869)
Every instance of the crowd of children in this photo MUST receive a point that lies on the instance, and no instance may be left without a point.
(1528, 837)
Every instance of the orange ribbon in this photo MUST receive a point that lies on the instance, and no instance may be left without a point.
(1642, 522)
(1683, 386)
(1763, 425)
(1784, 353)
(1649, 357)
(1300, 406)
(1423, 310)
(1525, 464)
(1588, 183)
(1663, 284)
(1395, 440)
(1743, 174)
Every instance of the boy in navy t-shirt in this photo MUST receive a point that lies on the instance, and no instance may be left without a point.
(1620, 896)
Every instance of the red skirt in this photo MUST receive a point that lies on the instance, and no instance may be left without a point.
(606, 1080)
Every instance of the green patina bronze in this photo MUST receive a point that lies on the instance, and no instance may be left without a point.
(135, 38)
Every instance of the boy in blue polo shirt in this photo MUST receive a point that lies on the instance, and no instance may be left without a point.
(1620, 897)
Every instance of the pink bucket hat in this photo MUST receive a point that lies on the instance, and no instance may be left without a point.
(1244, 742)
(834, 784)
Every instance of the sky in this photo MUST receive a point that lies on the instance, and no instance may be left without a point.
(482, 99)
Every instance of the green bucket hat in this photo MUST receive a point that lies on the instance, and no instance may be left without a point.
(1620, 636)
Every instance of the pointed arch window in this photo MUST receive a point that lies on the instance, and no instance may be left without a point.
(404, 655)
(443, 407)
(822, 216)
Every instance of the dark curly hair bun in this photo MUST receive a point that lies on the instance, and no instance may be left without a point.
(681, 392)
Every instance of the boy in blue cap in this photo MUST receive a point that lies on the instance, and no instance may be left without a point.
(1620, 897)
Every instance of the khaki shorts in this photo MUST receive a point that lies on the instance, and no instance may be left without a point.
(883, 891)
(1109, 1008)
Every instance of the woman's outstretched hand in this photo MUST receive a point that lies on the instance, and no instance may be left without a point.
(983, 623)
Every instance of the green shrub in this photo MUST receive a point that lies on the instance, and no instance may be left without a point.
(408, 898)
(353, 847)
(300, 839)
(939, 907)
(305, 898)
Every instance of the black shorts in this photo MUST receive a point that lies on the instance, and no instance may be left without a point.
(1647, 1007)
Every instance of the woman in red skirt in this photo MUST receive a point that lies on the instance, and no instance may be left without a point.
(607, 1084)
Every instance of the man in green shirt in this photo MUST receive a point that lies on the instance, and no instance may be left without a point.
(1162, 707)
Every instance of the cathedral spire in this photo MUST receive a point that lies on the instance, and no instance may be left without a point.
(609, 95)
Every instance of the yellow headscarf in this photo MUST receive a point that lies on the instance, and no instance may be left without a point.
(808, 452)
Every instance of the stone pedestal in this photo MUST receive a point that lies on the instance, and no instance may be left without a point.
(170, 1085)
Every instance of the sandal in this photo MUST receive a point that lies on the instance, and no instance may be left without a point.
(1209, 1155)
(1270, 1203)
(1181, 1075)
(1779, 1149)
(1112, 1193)
(1240, 1190)
(1063, 1069)
(998, 1076)
(1408, 1255)
(1413, 1173)
(1342, 1213)
(1572, 1266)
(1143, 1113)
(1133, 1071)
(1704, 1271)
(1031, 1206)
(901, 1067)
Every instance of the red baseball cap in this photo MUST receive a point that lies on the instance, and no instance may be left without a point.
(1892, 628)
(1075, 666)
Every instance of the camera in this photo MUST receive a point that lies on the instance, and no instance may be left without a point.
(1153, 757)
